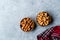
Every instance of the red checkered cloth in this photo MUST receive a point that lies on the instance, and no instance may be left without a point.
(50, 34)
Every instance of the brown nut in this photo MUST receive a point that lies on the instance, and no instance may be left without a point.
(43, 19)
(27, 24)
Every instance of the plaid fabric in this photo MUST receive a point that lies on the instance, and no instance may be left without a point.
(50, 34)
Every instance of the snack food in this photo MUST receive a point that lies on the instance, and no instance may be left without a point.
(43, 18)
(27, 24)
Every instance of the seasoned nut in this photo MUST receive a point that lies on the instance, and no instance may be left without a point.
(27, 24)
(43, 18)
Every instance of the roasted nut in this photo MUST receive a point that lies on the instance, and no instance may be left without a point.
(43, 19)
(27, 24)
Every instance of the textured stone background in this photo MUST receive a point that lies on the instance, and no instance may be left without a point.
(12, 11)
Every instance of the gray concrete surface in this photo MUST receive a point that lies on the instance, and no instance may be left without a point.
(12, 11)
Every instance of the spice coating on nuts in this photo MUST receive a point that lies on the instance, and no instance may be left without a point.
(27, 24)
(43, 19)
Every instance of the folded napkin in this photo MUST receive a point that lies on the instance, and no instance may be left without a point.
(50, 34)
